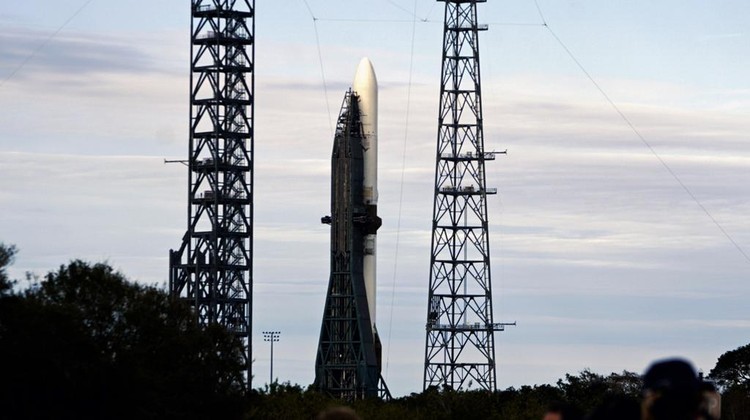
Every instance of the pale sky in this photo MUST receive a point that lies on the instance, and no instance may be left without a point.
(598, 253)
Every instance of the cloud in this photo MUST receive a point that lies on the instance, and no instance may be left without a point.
(70, 54)
(81, 94)
(720, 37)
(301, 87)
(61, 207)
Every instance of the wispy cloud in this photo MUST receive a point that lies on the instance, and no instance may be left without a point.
(71, 54)
(719, 37)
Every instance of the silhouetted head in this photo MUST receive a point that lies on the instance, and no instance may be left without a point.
(562, 411)
(338, 413)
(671, 391)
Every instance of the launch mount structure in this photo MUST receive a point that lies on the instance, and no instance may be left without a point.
(348, 363)
(212, 269)
(460, 340)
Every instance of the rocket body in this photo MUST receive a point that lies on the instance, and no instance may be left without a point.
(365, 85)
(349, 359)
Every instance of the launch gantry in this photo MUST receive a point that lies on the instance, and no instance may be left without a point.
(212, 269)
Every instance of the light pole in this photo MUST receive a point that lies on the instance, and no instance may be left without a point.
(271, 336)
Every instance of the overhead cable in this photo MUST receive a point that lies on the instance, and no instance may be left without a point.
(640, 136)
(322, 69)
(44, 43)
(401, 183)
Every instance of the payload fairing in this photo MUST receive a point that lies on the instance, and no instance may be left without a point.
(348, 364)
(366, 87)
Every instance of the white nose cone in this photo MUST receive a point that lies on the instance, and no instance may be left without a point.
(366, 87)
(365, 82)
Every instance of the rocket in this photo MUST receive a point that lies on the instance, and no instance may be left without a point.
(349, 359)
(365, 85)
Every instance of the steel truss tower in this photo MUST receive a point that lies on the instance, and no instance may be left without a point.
(348, 364)
(460, 341)
(212, 269)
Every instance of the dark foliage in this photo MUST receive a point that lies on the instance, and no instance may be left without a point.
(85, 343)
(7, 252)
(589, 390)
(732, 370)
(732, 374)
(526, 403)
(735, 404)
(286, 401)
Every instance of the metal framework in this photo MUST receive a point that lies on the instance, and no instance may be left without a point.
(212, 269)
(460, 341)
(348, 363)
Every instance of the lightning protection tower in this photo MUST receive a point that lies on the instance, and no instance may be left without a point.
(460, 341)
(212, 269)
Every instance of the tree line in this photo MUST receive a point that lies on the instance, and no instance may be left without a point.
(85, 342)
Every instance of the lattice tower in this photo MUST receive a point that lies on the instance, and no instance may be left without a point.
(460, 341)
(212, 269)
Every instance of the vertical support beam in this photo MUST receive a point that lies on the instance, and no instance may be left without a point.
(460, 340)
(212, 269)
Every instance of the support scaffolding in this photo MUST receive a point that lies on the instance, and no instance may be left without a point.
(212, 269)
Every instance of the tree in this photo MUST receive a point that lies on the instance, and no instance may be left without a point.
(732, 374)
(7, 252)
(589, 390)
(86, 343)
(732, 370)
